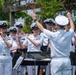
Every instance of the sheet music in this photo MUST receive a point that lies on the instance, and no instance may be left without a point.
(47, 59)
(28, 59)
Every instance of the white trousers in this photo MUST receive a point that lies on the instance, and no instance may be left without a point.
(48, 69)
(61, 66)
(32, 70)
(74, 69)
(5, 65)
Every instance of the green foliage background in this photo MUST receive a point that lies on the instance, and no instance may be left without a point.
(3, 16)
(48, 10)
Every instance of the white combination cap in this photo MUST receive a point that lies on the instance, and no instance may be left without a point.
(12, 28)
(19, 24)
(48, 20)
(3, 22)
(32, 25)
(61, 20)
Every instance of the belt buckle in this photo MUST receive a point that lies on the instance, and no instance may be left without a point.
(4, 54)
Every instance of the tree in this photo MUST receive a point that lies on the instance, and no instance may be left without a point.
(49, 8)
(3, 16)
(28, 20)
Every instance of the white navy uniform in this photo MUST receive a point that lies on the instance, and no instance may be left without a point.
(5, 57)
(32, 48)
(48, 21)
(12, 30)
(5, 61)
(60, 48)
(45, 39)
(45, 44)
(20, 25)
(14, 43)
(23, 38)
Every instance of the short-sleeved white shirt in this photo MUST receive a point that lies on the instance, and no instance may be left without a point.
(31, 46)
(60, 42)
(45, 39)
(14, 43)
(3, 47)
(23, 38)
(72, 46)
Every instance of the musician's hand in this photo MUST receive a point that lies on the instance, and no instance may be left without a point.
(27, 36)
(19, 36)
(1, 34)
(33, 15)
(69, 15)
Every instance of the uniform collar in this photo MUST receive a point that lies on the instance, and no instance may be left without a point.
(61, 30)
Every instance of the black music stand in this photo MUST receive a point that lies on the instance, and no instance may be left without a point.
(38, 58)
(73, 58)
